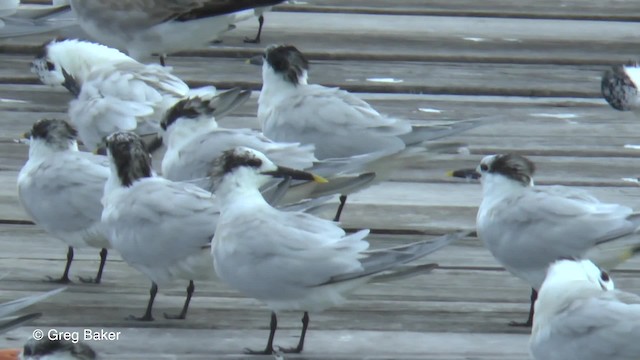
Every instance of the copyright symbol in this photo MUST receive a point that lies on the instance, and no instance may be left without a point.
(38, 334)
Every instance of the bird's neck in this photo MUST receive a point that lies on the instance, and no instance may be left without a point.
(40, 149)
(275, 87)
(239, 195)
(498, 186)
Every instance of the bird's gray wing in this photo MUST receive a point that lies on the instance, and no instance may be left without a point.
(546, 225)
(64, 194)
(377, 261)
(159, 222)
(195, 158)
(292, 249)
(597, 328)
(336, 122)
(124, 97)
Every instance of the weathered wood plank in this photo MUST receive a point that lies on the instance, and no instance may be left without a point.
(597, 10)
(418, 38)
(407, 77)
(322, 344)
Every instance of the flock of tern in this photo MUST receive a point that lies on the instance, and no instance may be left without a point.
(141, 166)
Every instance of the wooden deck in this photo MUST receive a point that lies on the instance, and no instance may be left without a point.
(536, 64)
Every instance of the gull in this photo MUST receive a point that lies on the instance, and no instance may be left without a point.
(113, 91)
(160, 227)
(580, 316)
(60, 188)
(56, 350)
(193, 140)
(8, 310)
(298, 261)
(143, 28)
(336, 122)
(619, 87)
(526, 228)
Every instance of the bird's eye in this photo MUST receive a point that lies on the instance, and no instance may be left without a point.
(50, 66)
(484, 167)
(604, 276)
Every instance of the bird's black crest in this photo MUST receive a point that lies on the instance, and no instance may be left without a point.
(130, 156)
(287, 60)
(513, 166)
(230, 160)
(53, 131)
(617, 87)
(235, 158)
(182, 108)
(45, 347)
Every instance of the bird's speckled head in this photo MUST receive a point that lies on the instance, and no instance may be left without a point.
(512, 166)
(56, 133)
(618, 89)
(288, 61)
(129, 154)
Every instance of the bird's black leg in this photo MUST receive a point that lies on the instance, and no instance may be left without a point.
(529, 322)
(65, 276)
(147, 314)
(163, 58)
(257, 38)
(103, 260)
(343, 201)
(298, 349)
(183, 313)
(269, 349)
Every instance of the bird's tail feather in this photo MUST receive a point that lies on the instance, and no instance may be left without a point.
(9, 308)
(377, 261)
(404, 272)
(421, 133)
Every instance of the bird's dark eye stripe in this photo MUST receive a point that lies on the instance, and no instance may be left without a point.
(484, 167)
(604, 276)
(50, 66)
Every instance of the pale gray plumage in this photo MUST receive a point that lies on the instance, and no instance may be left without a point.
(143, 27)
(194, 141)
(60, 187)
(338, 123)
(116, 92)
(527, 227)
(299, 262)
(579, 316)
(161, 228)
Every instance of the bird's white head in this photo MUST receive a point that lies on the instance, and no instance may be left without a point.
(51, 135)
(76, 57)
(505, 173)
(566, 271)
(284, 63)
(247, 168)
